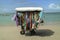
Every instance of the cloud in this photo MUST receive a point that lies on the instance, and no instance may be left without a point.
(54, 6)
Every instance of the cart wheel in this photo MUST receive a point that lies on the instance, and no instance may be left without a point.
(42, 21)
(32, 32)
(22, 32)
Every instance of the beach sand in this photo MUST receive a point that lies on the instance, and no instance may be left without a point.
(46, 32)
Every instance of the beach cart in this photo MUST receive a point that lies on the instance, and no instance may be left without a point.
(29, 18)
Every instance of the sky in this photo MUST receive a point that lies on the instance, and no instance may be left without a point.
(47, 5)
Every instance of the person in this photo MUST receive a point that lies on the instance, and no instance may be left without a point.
(16, 18)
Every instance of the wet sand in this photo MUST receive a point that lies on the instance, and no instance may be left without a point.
(44, 32)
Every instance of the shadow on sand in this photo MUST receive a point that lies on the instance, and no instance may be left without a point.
(42, 33)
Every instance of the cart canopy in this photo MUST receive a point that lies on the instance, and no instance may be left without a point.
(29, 9)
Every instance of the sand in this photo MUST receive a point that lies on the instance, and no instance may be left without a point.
(46, 32)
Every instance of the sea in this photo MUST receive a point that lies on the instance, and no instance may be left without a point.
(49, 17)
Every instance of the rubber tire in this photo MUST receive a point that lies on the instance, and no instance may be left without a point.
(22, 32)
(42, 21)
(32, 32)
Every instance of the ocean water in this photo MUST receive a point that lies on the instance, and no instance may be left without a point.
(6, 20)
(47, 17)
(52, 17)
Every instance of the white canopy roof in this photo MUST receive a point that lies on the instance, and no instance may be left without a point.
(29, 9)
